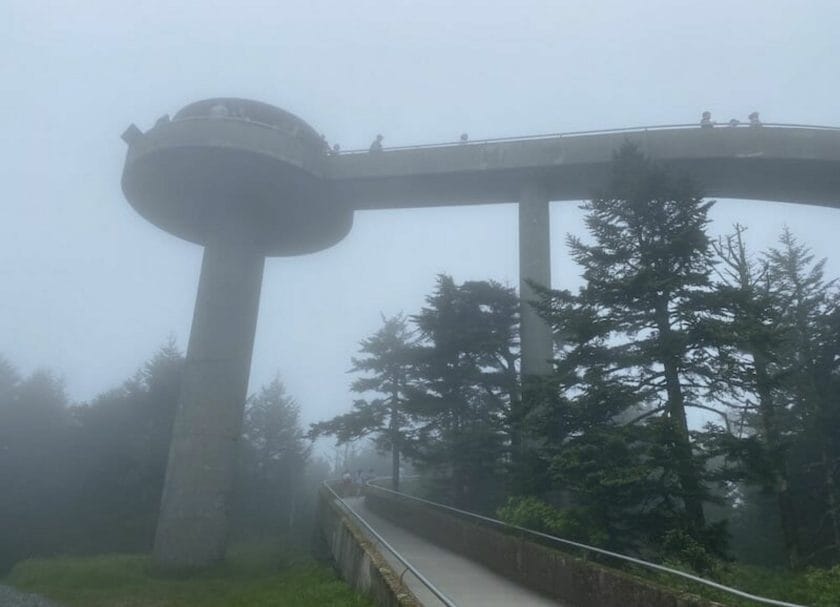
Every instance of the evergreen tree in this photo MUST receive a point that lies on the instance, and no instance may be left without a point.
(751, 341)
(603, 464)
(635, 358)
(36, 474)
(123, 439)
(466, 380)
(386, 360)
(274, 456)
(650, 260)
(809, 368)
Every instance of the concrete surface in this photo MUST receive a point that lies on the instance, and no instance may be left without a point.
(463, 581)
(767, 163)
(358, 560)
(193, 524)
(534, 266)
(568, 579)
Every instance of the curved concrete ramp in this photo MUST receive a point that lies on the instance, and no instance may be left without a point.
(466, 583)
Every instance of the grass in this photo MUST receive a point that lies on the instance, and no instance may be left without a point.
(812, 587)
(254, 575)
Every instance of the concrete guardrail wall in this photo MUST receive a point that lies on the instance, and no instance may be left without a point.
(357, 560)
(570, 580)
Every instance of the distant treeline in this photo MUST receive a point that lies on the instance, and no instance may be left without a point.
(603, 450)
(87, 478)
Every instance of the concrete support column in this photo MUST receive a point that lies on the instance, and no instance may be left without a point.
(193, 525)
(534, 265)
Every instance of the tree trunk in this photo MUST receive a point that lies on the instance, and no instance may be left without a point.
(395, 444)
(292, 511)
(516, 421)
(833, 502)
(781, 486)
(395, 468)
(689, 480)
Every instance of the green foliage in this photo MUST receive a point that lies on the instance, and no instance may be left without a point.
(633, 361)
(824, 586)
(124, 435)
(87, 478)
(386, 361)
(271, 496)
(776, 319)
(681, 549)
(570, 523)
(37, 475)
(253, 576)
(465, 386)
(444, 394)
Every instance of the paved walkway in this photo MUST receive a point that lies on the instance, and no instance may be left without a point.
(466, 583)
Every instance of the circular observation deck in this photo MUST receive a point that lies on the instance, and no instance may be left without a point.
(237, 170)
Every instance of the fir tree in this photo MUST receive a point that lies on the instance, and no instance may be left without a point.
(386, 360)
(750, 337)
(809, 369)
(466, 380)
(637, 358)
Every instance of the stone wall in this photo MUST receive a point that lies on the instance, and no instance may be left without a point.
(357, 560)
(571, 580)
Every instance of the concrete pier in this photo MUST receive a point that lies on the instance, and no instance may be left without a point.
(535, 266)
(193, 525)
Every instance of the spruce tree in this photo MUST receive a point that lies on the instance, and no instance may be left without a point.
(386, 362)
(809, 367)
(645, 271)
(746, 322)
(273, 457)
(466, 379)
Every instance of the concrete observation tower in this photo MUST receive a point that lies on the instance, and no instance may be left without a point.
(243, 179)
(247, 180)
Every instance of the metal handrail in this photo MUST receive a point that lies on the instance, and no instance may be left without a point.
(632, 129)
(616, 555)
(432, 588)
(474, 142)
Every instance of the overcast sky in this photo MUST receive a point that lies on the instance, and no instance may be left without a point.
(90, 289)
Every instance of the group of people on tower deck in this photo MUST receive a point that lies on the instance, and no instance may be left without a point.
(706, 120)
(335, 150)
(375, 146)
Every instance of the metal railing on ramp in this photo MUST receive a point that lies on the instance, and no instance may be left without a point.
(408, 566)
(615, 555)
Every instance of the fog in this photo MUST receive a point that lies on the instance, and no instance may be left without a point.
(90, 289)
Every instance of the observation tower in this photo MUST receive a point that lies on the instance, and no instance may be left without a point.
(247, 180)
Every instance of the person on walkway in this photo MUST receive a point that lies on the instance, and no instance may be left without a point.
(376, 146)
(706, 120)
(754, 120)
(368, 476)
(359, 481)
(346, 484)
